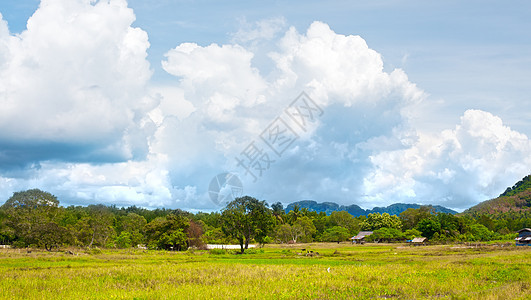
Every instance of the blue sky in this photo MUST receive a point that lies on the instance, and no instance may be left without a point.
(144, 102)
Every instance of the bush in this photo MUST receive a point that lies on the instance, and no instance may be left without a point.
(123, 240)
(218, 251)
(253, 251)
(93, 251)
(18, 244)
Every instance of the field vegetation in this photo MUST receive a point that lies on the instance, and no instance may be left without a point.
(299, 271)
(35, 219)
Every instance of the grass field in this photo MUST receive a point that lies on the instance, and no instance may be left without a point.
(280, 272)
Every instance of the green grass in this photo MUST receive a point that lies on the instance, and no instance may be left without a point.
(278, 272)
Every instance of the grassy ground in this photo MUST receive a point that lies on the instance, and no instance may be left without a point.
(280, 272)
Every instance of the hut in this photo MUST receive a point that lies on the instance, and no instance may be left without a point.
(360, 237)
(524, 237)
(419, 241)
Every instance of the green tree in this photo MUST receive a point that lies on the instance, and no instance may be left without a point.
(376, 221)
(336, 234)
(307, 228)
(100, 225)
(29, 210)
(385, 234)
(214, 235)
(429, 227)
(174, 240)
(285, 233)
(167, 232)
(303, 230)
(481, 233)
(344, 219)
(411, 216)
(246, 218)
(412, 233)
(51, 235)
(134, 225)
(293, 214)
(123, 240)
(278, 212)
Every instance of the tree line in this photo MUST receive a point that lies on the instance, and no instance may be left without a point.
(34, 218)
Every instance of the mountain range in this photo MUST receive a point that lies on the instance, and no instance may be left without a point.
(356, 211)
(515, 199)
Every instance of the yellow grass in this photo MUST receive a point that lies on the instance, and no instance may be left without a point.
(276, 272)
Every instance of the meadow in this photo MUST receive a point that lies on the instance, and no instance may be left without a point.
(339, 271)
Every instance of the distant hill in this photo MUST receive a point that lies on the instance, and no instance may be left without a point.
(514, 199)
(356, 211)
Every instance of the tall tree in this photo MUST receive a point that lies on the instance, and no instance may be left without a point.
(168, 232)
(346, 220)
(246, 218)
(278, 212)
(336, 234)
(376, 221)
(101, 224)
(429, 227)
(28, 210)
(303, 230)
(411, 216)
(134, 226)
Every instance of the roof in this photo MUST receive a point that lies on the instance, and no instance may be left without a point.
(361, 235)
(419, 240)
(524, 229)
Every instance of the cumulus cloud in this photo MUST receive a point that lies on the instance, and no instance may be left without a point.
(74, 80)
(458, 168)
(339, 68)
(235, 102)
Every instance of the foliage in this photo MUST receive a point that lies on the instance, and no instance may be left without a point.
(385, 234)
(123, 240)
(428, 227)
(29, 212)
(346, 220)
(520, 186)
(34, 218)
(376, 221)
(336, 234)
(168, 232)
(411, 217)
(412, 233)
(247, 218)
(301, 231)
(194, 233)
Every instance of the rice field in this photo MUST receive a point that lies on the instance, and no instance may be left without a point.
(341, 271)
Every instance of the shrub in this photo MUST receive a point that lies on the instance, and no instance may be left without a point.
(253, 251)
(217, 251)
(93, 251)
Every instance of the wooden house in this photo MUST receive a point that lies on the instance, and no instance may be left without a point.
(524, 237)
(360, 237)
(419, 241)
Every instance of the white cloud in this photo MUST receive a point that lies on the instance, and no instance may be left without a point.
(260, 31)
(340, 68)
(76, 75)
(473, 162)
(340, 72)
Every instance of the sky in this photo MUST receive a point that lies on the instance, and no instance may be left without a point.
(157, 103)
